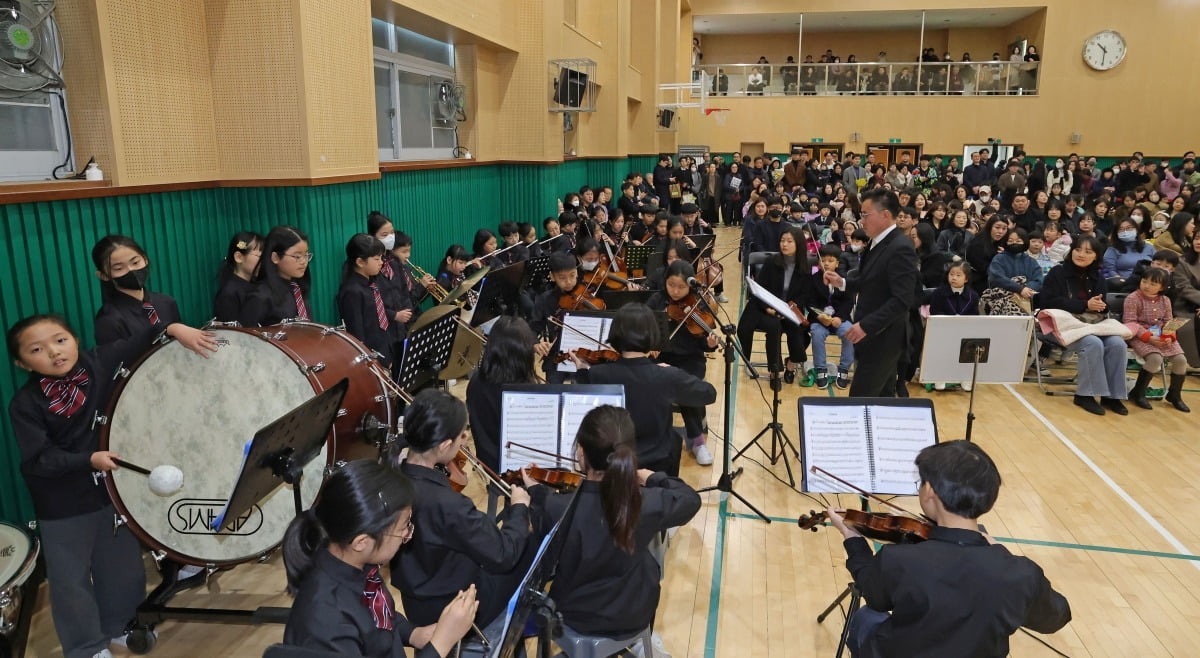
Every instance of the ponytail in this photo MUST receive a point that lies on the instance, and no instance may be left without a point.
(606, 437)
(621, 496)
(304, 537)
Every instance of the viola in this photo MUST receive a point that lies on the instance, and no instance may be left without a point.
(559, 479)
(879, 526)
(590, 356)
(580, 297)
(692, 314)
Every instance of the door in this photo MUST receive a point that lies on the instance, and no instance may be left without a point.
(752, 149)
(882, 155)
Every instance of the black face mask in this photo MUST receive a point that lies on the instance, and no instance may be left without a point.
(1015, 249)
(133, 279)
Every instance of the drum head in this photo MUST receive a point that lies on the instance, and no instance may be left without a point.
(18, 551)
(198, 414)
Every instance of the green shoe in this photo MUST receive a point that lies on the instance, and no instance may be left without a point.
(810, 378)
(1155, 393)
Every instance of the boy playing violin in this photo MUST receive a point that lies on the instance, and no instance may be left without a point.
(565, 276)
(959, 593)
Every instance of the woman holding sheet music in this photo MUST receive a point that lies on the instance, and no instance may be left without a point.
(786, 275)
(453, 544)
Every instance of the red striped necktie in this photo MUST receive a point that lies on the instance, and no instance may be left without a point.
(379, 312)
(151, 312)
(387, 270)
(377, 601)
(65, 394)
(301, 308)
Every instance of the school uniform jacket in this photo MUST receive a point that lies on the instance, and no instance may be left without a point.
(395, 293)
(825, 296)
(650, 390)
(328, 615)
(265, 308)
(454, 545)
(231, 298)
(122, 316)
(356, 305)
(599, 588)
(56, 450)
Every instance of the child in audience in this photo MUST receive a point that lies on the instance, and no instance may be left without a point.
(1163, 259)
(1057, 242)
(1037, 251)
(834, 319)
(1147, 311)
(954, 297)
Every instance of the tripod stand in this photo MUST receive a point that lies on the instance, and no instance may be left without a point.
(725, 482)
(779, 437)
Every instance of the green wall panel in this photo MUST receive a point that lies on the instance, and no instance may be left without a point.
(45, 248)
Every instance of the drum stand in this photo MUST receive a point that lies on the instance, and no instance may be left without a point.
(278, 451)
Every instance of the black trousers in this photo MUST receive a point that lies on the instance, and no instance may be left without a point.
(877, 359)
(755, 319)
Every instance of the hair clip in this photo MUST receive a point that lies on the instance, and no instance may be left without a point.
(382, 501)
(241, 245)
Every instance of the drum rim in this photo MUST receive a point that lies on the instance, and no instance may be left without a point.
(119, 504)
(29, 563)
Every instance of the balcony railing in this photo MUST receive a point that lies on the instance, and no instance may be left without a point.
(871, 79)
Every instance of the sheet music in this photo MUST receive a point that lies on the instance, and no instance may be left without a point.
(574, 408)
(899, 434)
(774, 302)
(528, 419)
(835, 438)
(596, 328)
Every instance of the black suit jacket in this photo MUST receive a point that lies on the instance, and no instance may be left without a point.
(800, 289)
(885, 281)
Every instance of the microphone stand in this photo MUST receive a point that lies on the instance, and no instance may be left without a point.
(725, 482)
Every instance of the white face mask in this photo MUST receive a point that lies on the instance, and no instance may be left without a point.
(1137, 219)
(1160, 224)
(589, 265)
(389, 242)
(856, 248)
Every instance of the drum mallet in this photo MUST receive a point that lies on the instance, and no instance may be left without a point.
(164, 480)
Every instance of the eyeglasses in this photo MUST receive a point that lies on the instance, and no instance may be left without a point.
(407, 533)
(301, 258)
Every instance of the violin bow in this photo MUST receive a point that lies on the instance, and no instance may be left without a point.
(514, 444)
(861, 491)
(599, 343)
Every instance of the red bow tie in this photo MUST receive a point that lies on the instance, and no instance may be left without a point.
(65, 394)
(376, 598)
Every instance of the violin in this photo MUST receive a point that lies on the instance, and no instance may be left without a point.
(559, 479)
(456, 471)
(580, 297)
(879, 526)
(603, 276)
(590, 356)
(692, 314)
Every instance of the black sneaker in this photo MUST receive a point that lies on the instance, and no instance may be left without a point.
(822, 379)
(1089, 404)
(843, 380)
(789, 376)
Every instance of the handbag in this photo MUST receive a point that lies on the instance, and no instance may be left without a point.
(1090, 317)
(676, 191)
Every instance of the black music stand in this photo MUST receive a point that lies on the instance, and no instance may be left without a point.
(277, 453)
(615, 299)
(498, 294)
(536, 274)
(637, 256)
(531, 598)
(704, 243)
(427, 348)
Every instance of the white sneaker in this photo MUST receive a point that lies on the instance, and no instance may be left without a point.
(702, 455)
(940, 386)
(966, 386)
(721, 298)
(103, 653)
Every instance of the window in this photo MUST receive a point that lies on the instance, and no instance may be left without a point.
(412, 72)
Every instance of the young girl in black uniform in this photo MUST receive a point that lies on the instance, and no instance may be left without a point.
(452, 269)
(360, 298)
(672, 250)
(507, 359)
(454, 544)
(333, 552)
(391, 281)
(94, 567)
(483, 245)
(416, 289)
(241, 258)
(687, 351)
(123, 269)
(608, 580)
(283, 280)
(650, 389)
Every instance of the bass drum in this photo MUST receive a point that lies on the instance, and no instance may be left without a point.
(18, 557)
(175, 407)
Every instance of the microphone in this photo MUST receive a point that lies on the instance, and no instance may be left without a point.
(691, 281)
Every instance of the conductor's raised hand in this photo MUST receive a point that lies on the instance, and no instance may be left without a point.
(833, 279)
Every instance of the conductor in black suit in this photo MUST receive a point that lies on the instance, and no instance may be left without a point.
(885, 283)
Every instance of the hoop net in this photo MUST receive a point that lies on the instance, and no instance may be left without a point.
(719, 114)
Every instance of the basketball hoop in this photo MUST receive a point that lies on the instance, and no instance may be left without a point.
(720, 114)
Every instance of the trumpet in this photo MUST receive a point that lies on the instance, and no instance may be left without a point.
(439, 293)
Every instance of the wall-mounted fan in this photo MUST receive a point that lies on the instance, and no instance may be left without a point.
(30, 48)
(448, 103)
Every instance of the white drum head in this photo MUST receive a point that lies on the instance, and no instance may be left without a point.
(198, 414)
(16, 545)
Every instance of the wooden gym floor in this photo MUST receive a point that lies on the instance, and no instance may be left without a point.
(1088, 498)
